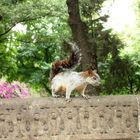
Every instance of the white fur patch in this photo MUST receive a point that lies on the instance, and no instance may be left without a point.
(71, 80)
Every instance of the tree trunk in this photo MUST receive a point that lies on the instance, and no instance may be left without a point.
(81, 36)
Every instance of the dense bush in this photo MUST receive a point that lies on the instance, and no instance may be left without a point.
(27, 56)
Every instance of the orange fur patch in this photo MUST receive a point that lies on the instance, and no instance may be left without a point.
(80, 88)
(62, 89)
(88, 73)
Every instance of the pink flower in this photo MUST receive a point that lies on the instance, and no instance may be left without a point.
(9, 90)
(8, 96)
(15, 89)
(5, 84)
(15, 86)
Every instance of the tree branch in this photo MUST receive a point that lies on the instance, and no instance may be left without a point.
(20, 21)
(7, 31)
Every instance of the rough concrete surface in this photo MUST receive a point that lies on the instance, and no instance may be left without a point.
(99, 118)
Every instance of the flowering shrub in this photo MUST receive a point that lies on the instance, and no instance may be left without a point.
(14, 89)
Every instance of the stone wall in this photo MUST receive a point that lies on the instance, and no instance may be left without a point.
(99, 118)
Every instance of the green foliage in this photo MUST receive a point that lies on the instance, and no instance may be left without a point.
(112, 68)
(16, 11)
(130, 53)
(8, 62)
(118, 63)
(27, 56)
